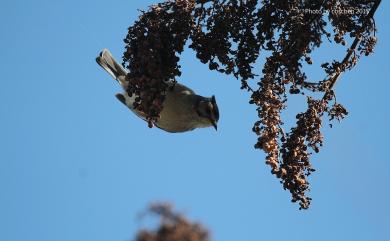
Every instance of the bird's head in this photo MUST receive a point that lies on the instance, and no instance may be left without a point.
(207, 109)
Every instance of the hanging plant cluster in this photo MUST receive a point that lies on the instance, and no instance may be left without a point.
(230, 36)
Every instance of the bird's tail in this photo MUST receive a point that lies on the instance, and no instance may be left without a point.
(109, 64)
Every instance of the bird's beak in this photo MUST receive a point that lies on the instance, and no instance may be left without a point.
(214, 124)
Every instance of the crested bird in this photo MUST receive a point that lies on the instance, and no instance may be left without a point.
(183, 110)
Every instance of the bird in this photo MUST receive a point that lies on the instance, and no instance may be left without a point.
(182, 110)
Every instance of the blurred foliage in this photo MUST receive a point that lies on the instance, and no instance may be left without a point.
(173, 226)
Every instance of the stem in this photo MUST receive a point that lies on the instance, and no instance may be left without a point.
(351, 50)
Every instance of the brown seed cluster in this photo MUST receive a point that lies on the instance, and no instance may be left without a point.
(229, 36)
(152, 47)
(295, 165)
(173, 227)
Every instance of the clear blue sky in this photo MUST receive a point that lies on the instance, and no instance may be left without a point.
(75, 165)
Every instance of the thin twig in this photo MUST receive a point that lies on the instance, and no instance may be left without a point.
(333, 79)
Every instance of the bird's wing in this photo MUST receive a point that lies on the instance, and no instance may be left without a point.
(179, 88)
(128, 101)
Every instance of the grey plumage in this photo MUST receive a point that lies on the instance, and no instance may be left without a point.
(183, 110)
